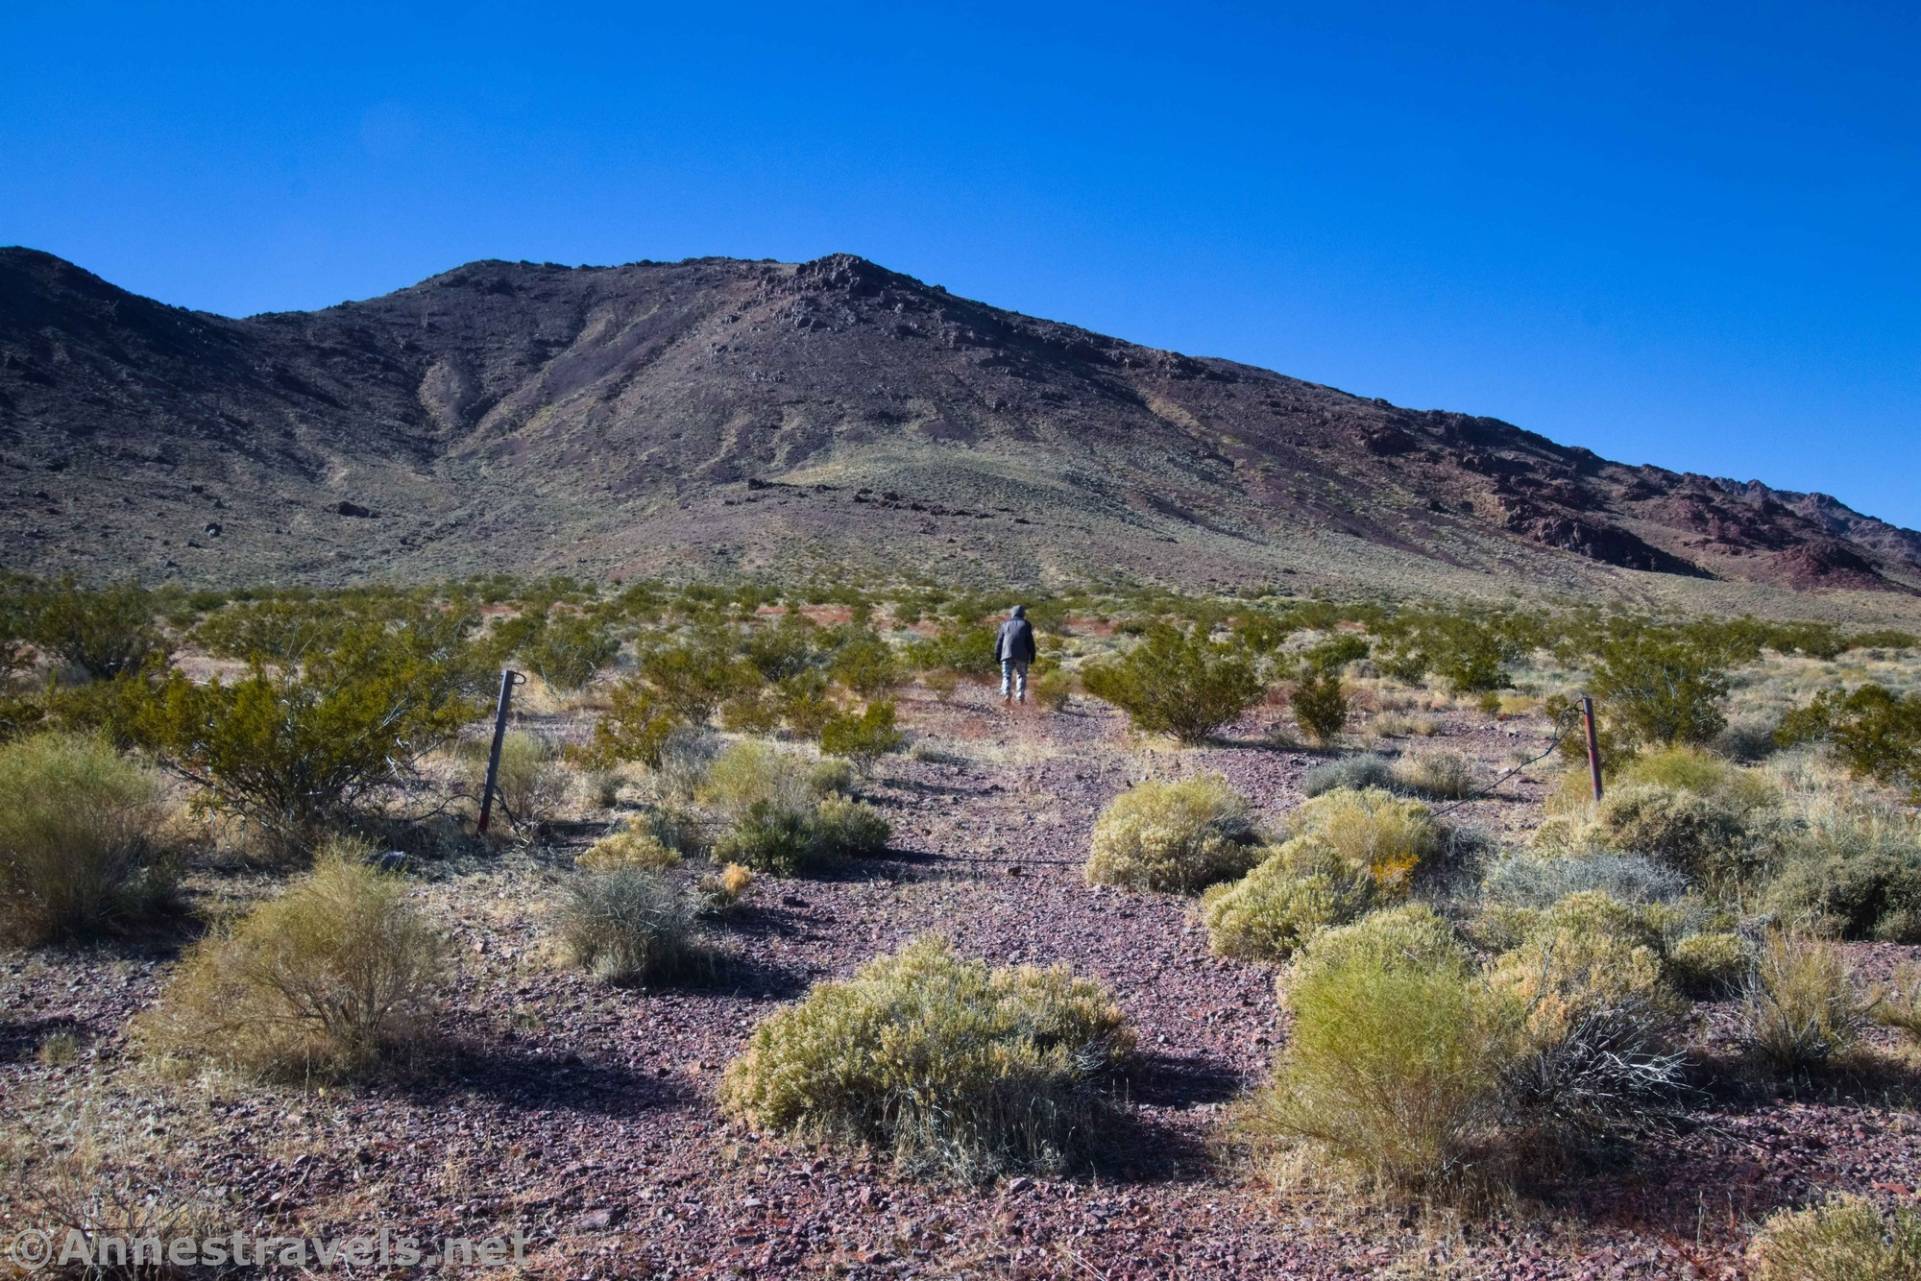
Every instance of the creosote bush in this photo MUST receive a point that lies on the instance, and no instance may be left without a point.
(1298, 890)
(1659, 691)
(1172, 683)
(78, 847)
(629, 925)
(1319, 704)
(103, 634)
(954, 1069)
(1875, 731)
(1844, 1239)
(1181, 836)
(319, 981)
(862, 737)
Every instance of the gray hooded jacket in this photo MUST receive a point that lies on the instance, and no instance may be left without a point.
(1015, 641)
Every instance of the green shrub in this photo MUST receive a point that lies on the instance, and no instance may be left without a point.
(866, 665)
(850, 828)
(569, 652)
(1170, 683)
(1355, 773)
(1875, 731)
(1395, 1058)
(629, 925)
(1660, 691)
(1700, 836)
(322, 980)
(1293, 894)
(749, 773)
(293, 751)
(104, 633)
(862, 737)
(1388, 835)
(1850, 872)
(1180, 836)
(1799, 1008)
(1319, 704)
(1844, 1239)
(767, 837)
(77, 838)
(1689, 769)
(1437, 775)
(1052, 688)
(952, 1068)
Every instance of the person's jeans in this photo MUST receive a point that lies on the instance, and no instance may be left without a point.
(1014, 678)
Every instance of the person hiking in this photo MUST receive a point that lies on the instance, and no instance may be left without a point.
(1014, 648)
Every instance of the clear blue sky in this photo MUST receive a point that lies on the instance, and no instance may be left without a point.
(1676, 234)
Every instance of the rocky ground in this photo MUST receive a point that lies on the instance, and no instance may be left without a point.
(584, 1116)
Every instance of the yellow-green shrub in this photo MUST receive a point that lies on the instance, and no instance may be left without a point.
(321, 980)
(1395, 1059)
(950, 1067)
(1293, 894)
(77, 838)
(1387, 834)
(1799, 1008)
(1844, 1239)
(634, 844)
(1700, 835)
(1180, 836)
(1708, 964)
(1175, 683)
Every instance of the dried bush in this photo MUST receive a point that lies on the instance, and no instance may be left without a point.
(1799, 1008)
(78, 848)
(1293, 894)
(1170, 683)
(320, 981)
(952, 1068)
(1355, 773)
(722, 891)
(1180, 836)
(635, 844)
(1436, 775)
(1388, 835)
(1850, 872)
(1844, 1239)
(531, 783)
(1395, 1059)
(629, 925)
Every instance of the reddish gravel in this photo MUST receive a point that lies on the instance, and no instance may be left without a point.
(584, 1117)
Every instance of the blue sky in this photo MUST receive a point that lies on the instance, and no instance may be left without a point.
(1675, 234)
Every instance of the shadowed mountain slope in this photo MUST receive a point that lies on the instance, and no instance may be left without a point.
(718, 415)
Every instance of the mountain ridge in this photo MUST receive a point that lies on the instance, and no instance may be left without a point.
(722, 415)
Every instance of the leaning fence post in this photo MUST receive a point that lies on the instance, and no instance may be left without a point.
(508, 679)
(1593, 745)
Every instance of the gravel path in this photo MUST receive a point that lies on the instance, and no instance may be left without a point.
(584, 1116)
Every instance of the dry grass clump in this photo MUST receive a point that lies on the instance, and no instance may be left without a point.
(320, 981)
(633, 844)
(1437, 775)
(1799, 1008)
(1850, 871)
(1293, 894)
(531, 782)
(955, 1069)
(1844, 1239)
(79, 843)
(627, 926)
(1388, 835)
(1180, 836)
(1394, 724)
(720, 892)
(1358, 772)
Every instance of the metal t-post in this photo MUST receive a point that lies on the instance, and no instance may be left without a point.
(1593, 745)
(508, 679)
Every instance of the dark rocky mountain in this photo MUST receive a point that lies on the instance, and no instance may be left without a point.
(831, 416)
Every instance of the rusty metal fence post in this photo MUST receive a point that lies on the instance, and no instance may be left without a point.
(508, 679)
(1593, 745)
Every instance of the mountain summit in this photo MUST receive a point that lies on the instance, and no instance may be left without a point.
(720, 415)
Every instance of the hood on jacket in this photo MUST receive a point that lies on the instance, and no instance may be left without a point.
(1019, 611)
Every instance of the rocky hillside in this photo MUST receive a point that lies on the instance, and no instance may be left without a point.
(830, 416)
